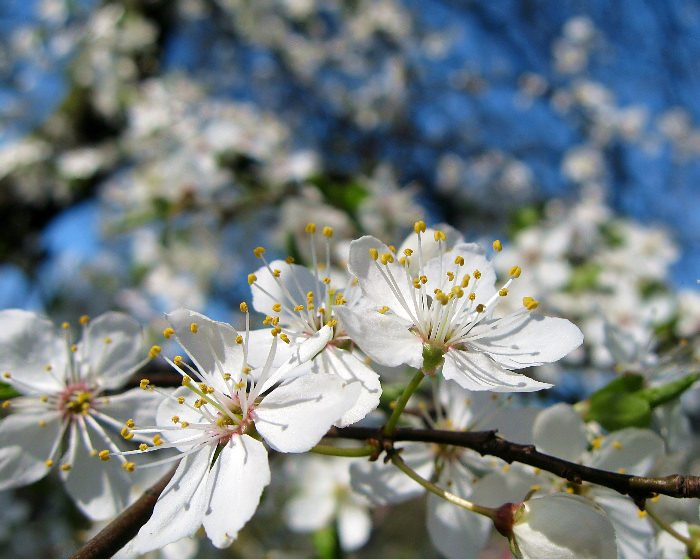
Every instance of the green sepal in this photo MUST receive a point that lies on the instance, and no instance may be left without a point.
(629, 382)
(326, 543)
(6, 391)
(433, 357)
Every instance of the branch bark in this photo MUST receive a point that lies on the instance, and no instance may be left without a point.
(489, 443)
(124, 527)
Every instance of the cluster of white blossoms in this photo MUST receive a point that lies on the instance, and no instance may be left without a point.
(431, 305)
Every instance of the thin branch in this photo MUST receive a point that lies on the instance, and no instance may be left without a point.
(489, 443)
(124, 527)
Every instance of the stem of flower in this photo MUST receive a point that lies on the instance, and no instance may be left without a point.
(329, 450)
(667, 527)
(430, 486)
(402, 401)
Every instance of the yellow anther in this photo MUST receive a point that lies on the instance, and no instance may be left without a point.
(655, 498)
(65, 467)
(184, 424)
(439, 236)
(503, 292)
(6, 404)
(277, 307)
(276, 330)
(154, 351)
(416, 283)
(622, 470)
(597, 442)
(252, 278)
(129, 466)
(451, 276)
(383, 310)
(617, 445)
(472, 296)
(444, 299)
(459, 260)
(465, 280)
(276, 319)
(48, 463)
(407, 251)
(126, 434)
(48, 368)
(284, 338)
(515, 272)
(203, 386)
(570, 490)
(143, 446)
(84, 319)
(194, 328)
(458, 292)
(177, 360)
(373, 253)
(298, 308)
(327, 231)
(74, 348)
(332, 323)
(535, 487)
(42, 423)
(168, 333)
(339, 299)
(326, 280)
(93, 453)
(239, 339)
(537, 471)
(309, 295)
(157, 440)
(65, 325)
(642, 513)
(144, 383)
(424, 279)
(180, 400)
(267, 321)
(103, 455)
(107, 340)
(530, 304)
(258, 252)
(130, 423)
(505, 468)
(497, 246)
(310, 307)
(419, 226)
(243, 307)
(289, 260)
(387, 258)
(310, 228)
(276, 273)
(246, 370)
(477, 274)
(199, 403)
(480, 308)
(175, 419)
(240, 385)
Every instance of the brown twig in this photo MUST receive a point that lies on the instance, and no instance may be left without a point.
(489, 443)
(124, 527)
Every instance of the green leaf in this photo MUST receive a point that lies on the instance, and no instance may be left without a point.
(6, 391)
(584, 277)
(325, 543)
(617, 410)
(629, 382)
(659, 395)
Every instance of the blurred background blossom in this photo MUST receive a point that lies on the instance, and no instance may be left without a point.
(147, 146)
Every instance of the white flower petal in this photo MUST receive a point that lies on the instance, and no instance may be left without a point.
(139, 405)
(474, 259)
(371, 276)
(563, 526)
(100, 489)
(236, 482)
(385, 484)
(525, 340)
(212, 347)
(289, 289)
(308, 512)
(354, 526)
(351, 370)
(384, 338)
(180, 508)
(634, 450)
(295, 416)
(28, 344)
(113, 345)
(561, 432)
(429, 246)
(24, 447)
(170, 408)
(476, 371)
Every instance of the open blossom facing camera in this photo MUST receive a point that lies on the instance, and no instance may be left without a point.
(432, 305)
(62, 418)
(216, 421)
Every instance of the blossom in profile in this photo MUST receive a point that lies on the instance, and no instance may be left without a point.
(217, 422)
(559, 526)
(432, 306)
(63, 418)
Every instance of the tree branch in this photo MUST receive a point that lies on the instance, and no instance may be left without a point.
(124, 527)
(489, 443)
